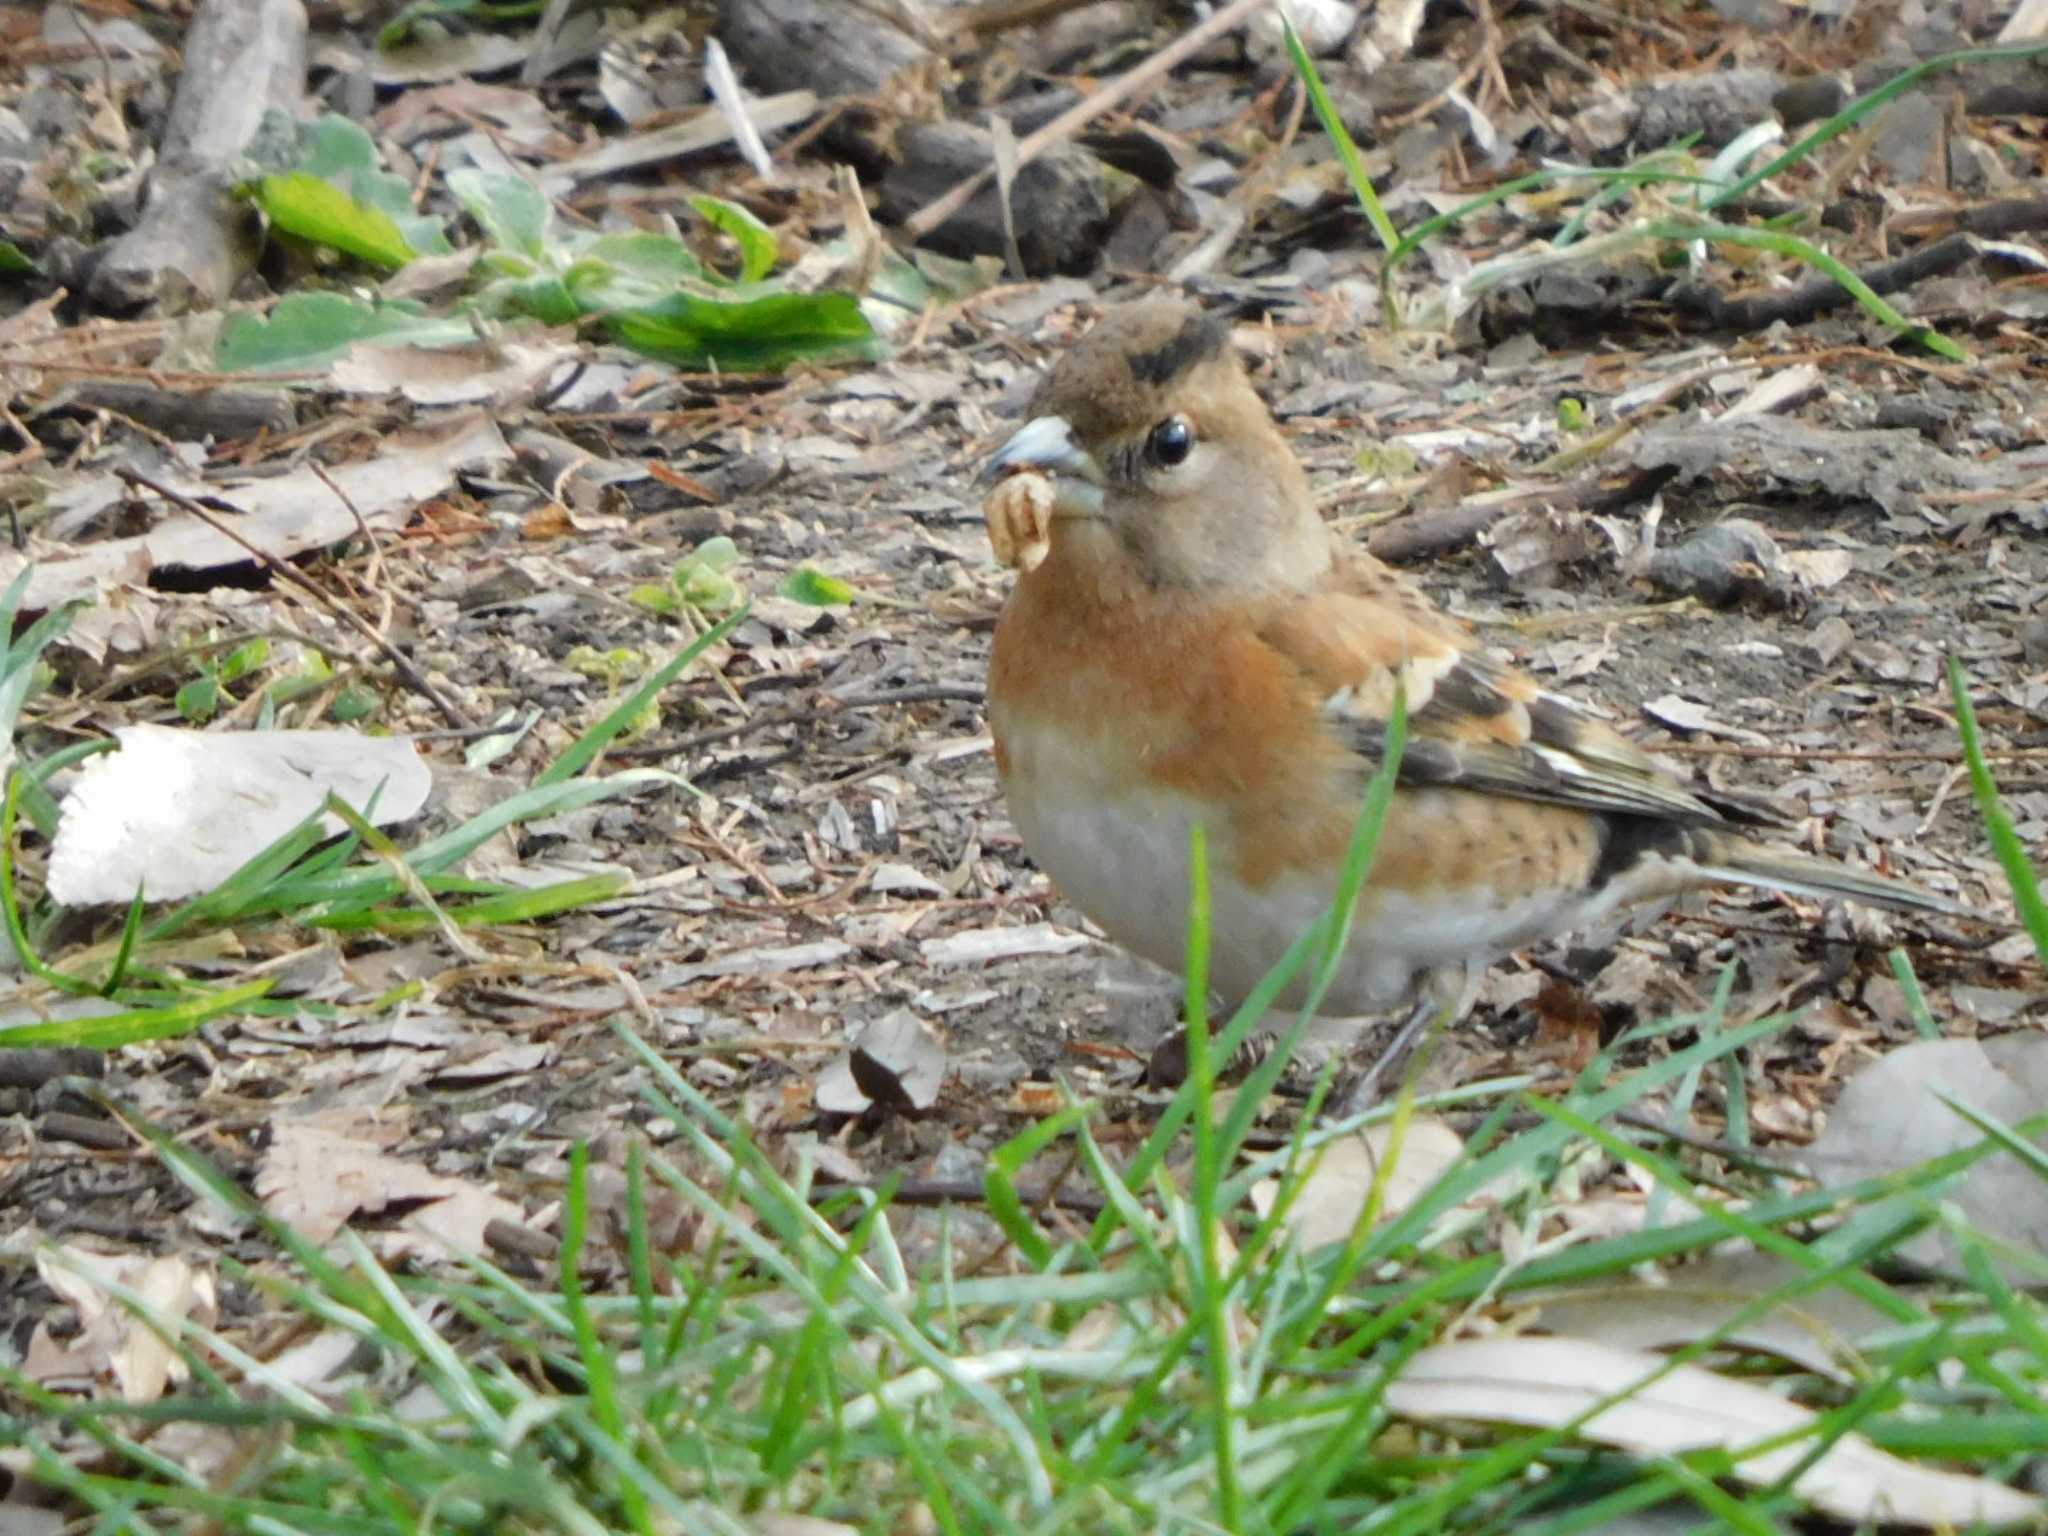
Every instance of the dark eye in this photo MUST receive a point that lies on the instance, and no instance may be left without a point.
(1171, 442)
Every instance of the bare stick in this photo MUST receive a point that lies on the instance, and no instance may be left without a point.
(407, 672)
(1063, 127)
(1001, 14)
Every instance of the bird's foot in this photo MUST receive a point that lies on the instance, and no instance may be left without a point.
(1326, 1036)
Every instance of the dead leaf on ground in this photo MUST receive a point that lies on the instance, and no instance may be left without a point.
(1817, 1329)
(175, 812)
(1893, 1115)
(1548, 1383)
(322, 1171)
(282, 516)
(898, 1061)
(113, 1341)
(1334, 1194)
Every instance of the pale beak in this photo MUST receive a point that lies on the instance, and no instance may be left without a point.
(1046, 444)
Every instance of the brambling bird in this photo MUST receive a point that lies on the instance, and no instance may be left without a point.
(1187, 642)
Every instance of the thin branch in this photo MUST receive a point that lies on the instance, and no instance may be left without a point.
(407, 672)
(933, 214)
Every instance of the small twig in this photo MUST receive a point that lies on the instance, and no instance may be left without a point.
(1949, 781)
(1750, 313)
(407, 672)
(1593, 447)
(362, 524)
(919, 693)
(997, 15)
(1564, 623)
(811, 709)
(1414, 115)
(32, 450)
(369, 538)
(963, 1192)
(166, 379)
(933, 214)
(467, 732)
(1621, 21)
(1748, 1157)
(743, 862)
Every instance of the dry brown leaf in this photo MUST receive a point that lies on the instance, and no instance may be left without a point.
(113, 1341)
(1336, 1189)
(1549, 1383)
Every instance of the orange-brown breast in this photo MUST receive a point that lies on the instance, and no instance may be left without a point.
(1098, 683)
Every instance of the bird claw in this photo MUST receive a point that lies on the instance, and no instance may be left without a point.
(1019, 513)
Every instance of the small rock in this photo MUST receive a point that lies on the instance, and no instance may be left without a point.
(1975, 166)
(1717, 106)
(1760, 15)
(1916, 414)
(1728, 562)
(1908, 137)
(1324, 26)
(1828, 639)
(1809, 99)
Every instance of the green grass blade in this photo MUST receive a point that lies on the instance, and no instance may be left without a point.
(1683, 230)
(110, 1031)
(1861, 108)
(2005, 837)
(584, 750)
(1340, 136)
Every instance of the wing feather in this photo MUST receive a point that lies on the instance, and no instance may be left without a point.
(1473, 723)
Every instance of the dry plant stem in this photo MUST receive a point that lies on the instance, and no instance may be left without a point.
(369, 538)
(933, 214)
(406, 671)
(1949, 781)
(996, 15)
(1622, 21)
(1466, 76)
(1596, 445)
(1566, 623)
(1490, 51)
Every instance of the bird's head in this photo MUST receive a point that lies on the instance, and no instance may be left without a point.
(1158, 449)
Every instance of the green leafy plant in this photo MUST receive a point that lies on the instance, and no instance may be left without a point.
(338, 195)
(613, 668)
(306, 331)
(644, 289)
(820, 589)
(650, 291)
(426, 19)
(702, 585)
(1669, 204)
(200, 699)
(1387, 461)
(807, 584)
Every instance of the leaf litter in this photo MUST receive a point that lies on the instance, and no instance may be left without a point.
(819, 873)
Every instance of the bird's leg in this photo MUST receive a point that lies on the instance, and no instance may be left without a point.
(1327, 1035)
(1438, 1003)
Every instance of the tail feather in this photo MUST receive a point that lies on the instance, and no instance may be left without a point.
(1739, 862)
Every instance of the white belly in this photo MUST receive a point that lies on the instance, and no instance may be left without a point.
(1124, 862)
